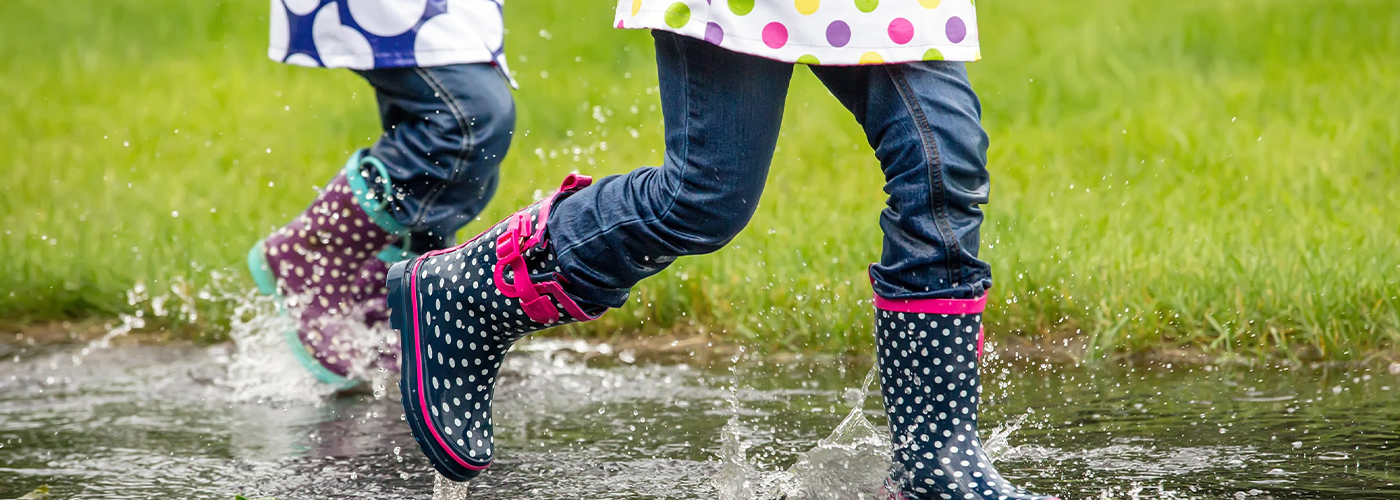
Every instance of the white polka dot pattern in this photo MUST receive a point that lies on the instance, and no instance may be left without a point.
(456, 328)
(931, 388)
(327, 272)
(373, 34)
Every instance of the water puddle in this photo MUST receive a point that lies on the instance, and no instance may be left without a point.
(579, 421)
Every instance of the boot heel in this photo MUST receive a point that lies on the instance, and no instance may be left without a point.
(261, 270)
(401, 314)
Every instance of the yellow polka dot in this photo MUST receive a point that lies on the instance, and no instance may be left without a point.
(806, 7)
(871, 58)
(930, 4)
(636, 6)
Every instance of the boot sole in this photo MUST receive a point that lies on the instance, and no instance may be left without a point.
(401, 309)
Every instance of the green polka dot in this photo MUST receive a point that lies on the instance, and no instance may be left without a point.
(677, 15)
(867, 5)
(933, 55)
(808, 59)
(740, 7)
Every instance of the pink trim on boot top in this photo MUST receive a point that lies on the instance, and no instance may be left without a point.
(932, 306)
(573, 182)
(928, 306)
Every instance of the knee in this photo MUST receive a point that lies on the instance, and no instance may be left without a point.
(700, 217)
(705, 232)
(490, 126)
(469, 126)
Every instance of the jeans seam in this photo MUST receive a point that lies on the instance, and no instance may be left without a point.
(464, 148)
(685, 154)
(934, 162)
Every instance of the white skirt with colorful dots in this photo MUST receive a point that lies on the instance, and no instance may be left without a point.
(823, 32)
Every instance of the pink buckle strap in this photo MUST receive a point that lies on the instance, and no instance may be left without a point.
(510, 251)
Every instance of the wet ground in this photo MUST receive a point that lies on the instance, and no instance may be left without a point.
(207, 422)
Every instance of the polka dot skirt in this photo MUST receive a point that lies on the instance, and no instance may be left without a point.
(819, 32)
(327, 271)
(928, 377)
(456, 325)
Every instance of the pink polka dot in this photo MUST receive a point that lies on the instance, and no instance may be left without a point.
(901, 30)
(775, 35)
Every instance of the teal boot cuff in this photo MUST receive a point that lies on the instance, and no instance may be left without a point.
(376, 209)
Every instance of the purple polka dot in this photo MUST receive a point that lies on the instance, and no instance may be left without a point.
(838, 34)
(775, 35)
(713, 33)
(956, 29)
(901, 30)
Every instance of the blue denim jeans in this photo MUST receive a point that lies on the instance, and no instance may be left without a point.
(446, 130)
(722, 113)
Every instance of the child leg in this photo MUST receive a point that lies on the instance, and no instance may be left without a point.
(568, 257)
(923, 121)
(445, 131)
(722, 114)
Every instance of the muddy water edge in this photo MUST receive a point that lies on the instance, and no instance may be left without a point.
(580, 420)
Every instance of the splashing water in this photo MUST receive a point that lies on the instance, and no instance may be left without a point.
(144, 421)
(446, 489)
(998, 445)
(850, 463)
(261, 367)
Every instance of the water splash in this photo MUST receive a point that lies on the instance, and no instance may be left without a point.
(446, 489)
(850, 463)
(998, 445)
(261, 367)
(737, 476)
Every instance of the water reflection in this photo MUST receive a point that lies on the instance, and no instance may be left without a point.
(165, 422)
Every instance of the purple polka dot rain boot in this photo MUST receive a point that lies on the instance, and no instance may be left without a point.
(927, 352)
(327, 267)
(457, 312)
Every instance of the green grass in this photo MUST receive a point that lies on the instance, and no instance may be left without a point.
(1219, 174)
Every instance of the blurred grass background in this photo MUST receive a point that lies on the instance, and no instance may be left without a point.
(1207, 174)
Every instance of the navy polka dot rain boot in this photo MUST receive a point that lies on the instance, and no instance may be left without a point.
(327, 267)
(928, 351)
(457, 312)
